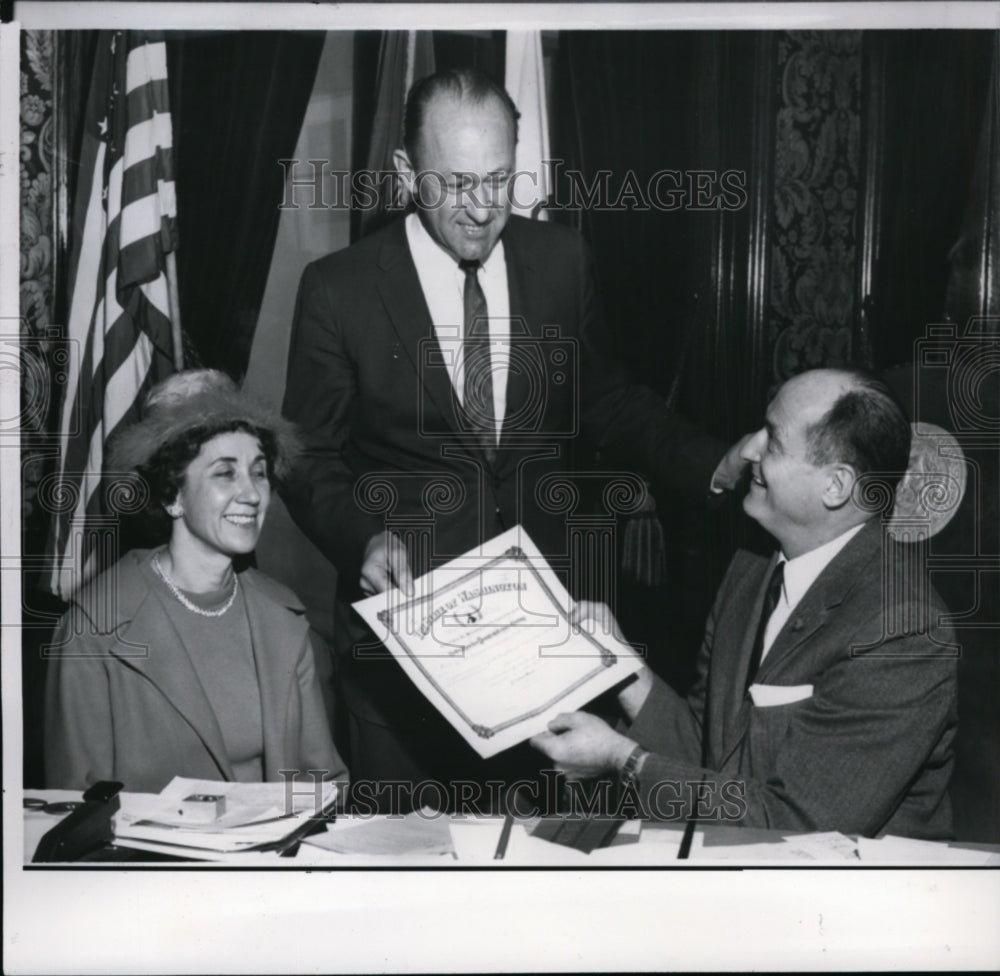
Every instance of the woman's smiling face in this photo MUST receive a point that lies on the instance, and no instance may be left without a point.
(223, 500)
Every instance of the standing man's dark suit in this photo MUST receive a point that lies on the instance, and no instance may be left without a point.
(367, 386)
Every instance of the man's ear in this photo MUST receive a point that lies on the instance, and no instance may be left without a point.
(839, 486)
(404, 167)
(405, 176)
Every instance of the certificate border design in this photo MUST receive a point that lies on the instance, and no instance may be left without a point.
(388, 617)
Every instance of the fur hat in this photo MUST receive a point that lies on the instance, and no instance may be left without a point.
(196, 398)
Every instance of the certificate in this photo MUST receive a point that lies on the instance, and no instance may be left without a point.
(487, 639)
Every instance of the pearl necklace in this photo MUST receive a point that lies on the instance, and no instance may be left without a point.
(185, 602)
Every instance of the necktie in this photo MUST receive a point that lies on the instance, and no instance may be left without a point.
(477, 387)
(771, 598)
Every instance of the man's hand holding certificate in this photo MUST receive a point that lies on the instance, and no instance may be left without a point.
(487, 639)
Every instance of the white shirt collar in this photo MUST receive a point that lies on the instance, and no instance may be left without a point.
(427, 253)
(802, 571)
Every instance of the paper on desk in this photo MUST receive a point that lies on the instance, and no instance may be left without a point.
(906, 850)
(486, 638)
(424, 832)
(256, 813)
(829, 846)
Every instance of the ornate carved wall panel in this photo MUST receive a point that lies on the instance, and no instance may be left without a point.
(817, 187)
(36, 278)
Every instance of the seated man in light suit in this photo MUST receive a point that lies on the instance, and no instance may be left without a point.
(836, 710)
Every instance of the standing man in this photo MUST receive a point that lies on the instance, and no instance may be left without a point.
(444, 366)
(827, 687)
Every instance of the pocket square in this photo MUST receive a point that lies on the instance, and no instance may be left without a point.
(765, 696)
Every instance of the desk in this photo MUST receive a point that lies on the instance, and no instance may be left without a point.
(474, 842)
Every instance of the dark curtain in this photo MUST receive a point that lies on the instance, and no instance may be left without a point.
(660, 101)
(237, 101)
(938, 254)
(939, 189)
(673, 278)
(936, 83)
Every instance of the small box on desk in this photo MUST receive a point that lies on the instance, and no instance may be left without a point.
(202, 807)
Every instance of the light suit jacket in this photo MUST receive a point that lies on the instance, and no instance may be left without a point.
(866, 748)
(124, 701)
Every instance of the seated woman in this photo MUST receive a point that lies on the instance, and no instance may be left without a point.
(176, 662)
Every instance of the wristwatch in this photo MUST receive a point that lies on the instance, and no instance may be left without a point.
(629, 773)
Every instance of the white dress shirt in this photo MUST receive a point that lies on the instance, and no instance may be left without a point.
(800, 573)
(443, 284)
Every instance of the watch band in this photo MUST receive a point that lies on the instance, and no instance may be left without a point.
(632, 766)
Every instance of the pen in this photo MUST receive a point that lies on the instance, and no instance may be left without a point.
(508, 822)
(685, 849)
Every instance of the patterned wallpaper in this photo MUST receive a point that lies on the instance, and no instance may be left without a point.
(817, 186)
(37, 342)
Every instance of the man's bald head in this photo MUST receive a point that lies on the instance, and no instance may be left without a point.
(865, 425)
(461, 86)
(825, 430)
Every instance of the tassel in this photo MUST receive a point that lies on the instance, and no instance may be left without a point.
(644, 560)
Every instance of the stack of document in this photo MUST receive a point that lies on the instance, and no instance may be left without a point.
(238, 816)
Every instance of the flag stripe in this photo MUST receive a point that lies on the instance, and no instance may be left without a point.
(135, 259)
(82, 303)
(140, 218)
(147, 99)
(155, 292)
(142, 140)
(144, 63)
(145, 178)
(125, 380)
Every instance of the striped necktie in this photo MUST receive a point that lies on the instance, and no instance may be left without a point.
(477, 387)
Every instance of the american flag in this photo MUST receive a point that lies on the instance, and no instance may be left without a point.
(123, 321)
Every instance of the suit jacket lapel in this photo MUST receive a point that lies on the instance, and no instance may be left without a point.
(826, 593)
(269, 629)
(403, 298)
(735, 708)
(523, 285)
